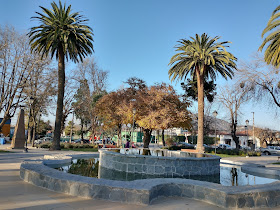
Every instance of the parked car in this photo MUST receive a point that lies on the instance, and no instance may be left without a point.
(98, 142)
(185, 145)
(46, 139)
(38, 141)
(205, 146)
(224, 146)
(245, 147)
(271, 150)
(78, 141)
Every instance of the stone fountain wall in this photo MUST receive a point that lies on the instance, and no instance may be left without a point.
(147, 190)
(175, 165)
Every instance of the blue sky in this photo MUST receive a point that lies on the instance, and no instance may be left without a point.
(137, 37)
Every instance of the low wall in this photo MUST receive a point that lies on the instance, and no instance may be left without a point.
(175, 165)
(145, 191)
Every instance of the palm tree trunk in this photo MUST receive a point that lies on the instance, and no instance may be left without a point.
(200, 97)
(60, 96)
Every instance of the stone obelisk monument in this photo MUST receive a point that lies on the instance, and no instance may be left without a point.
(19, 134)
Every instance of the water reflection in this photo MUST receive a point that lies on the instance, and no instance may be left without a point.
(234, 177)
(83, 167)
(229, 176)
(159, 152)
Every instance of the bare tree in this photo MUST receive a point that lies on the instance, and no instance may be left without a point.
(96, 80)
(232, 98)
(41, 87)
(16, 64)
(70, 89)
(263, 80)
(266, 136)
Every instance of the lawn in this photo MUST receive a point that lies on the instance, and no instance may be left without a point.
(3, 151)
(81, 149)
(224, 155)
(277, 163)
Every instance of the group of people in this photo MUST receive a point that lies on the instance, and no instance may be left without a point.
(127, 145)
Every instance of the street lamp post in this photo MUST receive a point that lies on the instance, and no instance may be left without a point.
(71, 130)
(103, 140)
(31, 100)
(40, 114)
(246, 128)
(253, 131)
(215, 113)
(133, 112)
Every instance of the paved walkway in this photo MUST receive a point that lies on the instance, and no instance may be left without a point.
(16, 194)
(260, 160)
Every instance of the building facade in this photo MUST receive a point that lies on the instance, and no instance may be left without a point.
(6, 128)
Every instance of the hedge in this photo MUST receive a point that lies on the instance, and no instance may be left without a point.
(68, 145)
(233, 152)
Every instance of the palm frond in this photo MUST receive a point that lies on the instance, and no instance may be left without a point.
(60, 28)
(203, 53)
(272, 41)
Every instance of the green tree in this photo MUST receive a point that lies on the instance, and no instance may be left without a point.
(67, 129)
(44, 127)
(272, 52)
(82, 105)
(64, 35)
(190, 89)
(201, 57)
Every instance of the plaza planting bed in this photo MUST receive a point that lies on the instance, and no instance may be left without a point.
(147, 190)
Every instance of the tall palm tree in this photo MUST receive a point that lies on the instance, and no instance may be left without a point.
(201, 57)
(61, 34)
(272, 52)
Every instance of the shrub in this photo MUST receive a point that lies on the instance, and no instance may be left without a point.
(45, 145)
(206, 140)
(62, 145)
(237, 152)
(169, 142)
(179, 138)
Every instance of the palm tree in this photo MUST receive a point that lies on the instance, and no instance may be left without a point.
(61, 34)
(272, 52)
(202, 58)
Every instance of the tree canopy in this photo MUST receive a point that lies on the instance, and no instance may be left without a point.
(64, 35)
(272, 51)
(202, 58)
(156, 107)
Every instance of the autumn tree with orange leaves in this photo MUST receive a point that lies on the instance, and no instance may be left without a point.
(157, 107)
(107, 110)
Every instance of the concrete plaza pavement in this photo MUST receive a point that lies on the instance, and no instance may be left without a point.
(17, 194)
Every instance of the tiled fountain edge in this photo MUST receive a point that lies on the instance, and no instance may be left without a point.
(145, 191)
